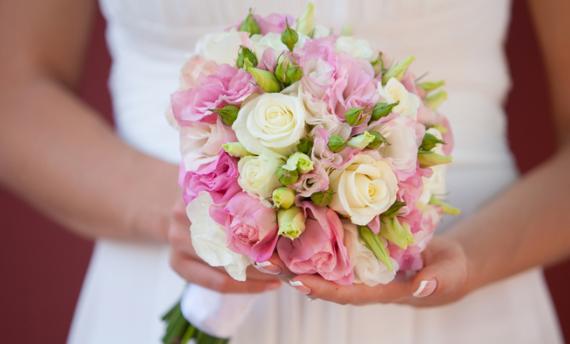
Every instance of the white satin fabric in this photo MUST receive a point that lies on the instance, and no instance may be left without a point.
(128, 285)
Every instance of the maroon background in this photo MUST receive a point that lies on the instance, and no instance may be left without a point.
(42, 265)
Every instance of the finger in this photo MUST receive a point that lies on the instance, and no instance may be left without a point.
(180, 239)
(199, 273)
(273, 266)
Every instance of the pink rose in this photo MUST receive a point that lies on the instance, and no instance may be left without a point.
(228, 85)
(251, 227)
(274, 22)
(195, 69)
(218, 177)
(201, 142)
(320, 249)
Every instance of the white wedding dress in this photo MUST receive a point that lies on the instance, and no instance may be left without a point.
(129, 285)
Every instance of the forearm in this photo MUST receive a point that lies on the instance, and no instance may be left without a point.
(59, 155)
(528, 225)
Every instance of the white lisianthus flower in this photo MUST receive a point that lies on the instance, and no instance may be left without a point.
(272, 123)
(394, 91)
(272, 40)
(367, 268)
(221, 47)
(257, 175)
(366, 188)
(355, 47)
(403, 144)
(210, 242)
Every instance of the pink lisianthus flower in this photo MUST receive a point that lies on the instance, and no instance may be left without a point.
(195, 69)
(251, 227)
(409, 82)
(315, 181)
(219, 178)
(320, 249)
(409, 259)
(228, 85)
(274, 22)
(323, 155)
(268, 60)
(410, 189)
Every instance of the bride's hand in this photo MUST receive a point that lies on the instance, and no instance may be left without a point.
(442, 280)
(189, 266)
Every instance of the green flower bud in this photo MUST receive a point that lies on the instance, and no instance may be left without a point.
(235, 149)
(287, 71)
(429, 142)
(289, 37)
(294, 74)
(265, 80)
(306, 23)
(299, 162)
(228, 114)
(322, 198)
(353, 116)
(250, 25)
(287, 177)
(397, 70)
(378, 65)
(379, 139)
(396, 233)
(433, 101)
(291, 222)
(283, 197)
(246, 58)
(429, 159)
(382, 110)
(305, 145)
(445, 207)
(361, 141)
(377, 245)
(336, 143)
(429, 86)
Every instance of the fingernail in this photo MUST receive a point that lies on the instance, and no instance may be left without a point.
(301, 288)
(426, 288)
(268, 268)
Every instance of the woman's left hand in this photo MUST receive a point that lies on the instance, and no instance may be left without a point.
(443, 279)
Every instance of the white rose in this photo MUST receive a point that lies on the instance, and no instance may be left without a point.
(355, 47)
(367, 268)
(394, 91)
(221, 47)
(257, 174)
(403, 143)
(200, 143)
(272, 40)
(271, 123)
(364, 189)
(210, 242)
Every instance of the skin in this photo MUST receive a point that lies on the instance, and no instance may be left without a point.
(524, 227)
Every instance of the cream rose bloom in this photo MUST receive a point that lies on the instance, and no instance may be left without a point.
(221, 47)
(364, 189)
(394, 91)
(367, 268)
(272, 123)
(257, 174)
(210, 242)
(355, 47)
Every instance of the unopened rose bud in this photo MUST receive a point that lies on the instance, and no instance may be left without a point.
(289, 37)
(322, 198)
(306, 23)
(377, 245)
(353, 116)
(396, 233)
(246, 58)
(336, 143)
(382, 110)
(265, 80)
(300, 162)
(287, 71)
(379, 140)
(361, 141)
(235, 149)
(287, 177)
(397, 70)
(429, 159)
(228, 114)
(250, 25)
(283, 197)
(433, 101)
(291, 222)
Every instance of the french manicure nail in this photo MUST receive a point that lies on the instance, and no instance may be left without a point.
(300, 287)
(268, 268)
(426, 288)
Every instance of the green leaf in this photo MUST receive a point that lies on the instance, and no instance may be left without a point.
(382, 110)
(394, 209)
(228, 114)
(397, 70)
(429, 142)
(376, 245)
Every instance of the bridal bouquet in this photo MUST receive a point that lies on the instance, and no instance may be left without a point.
(309, 145)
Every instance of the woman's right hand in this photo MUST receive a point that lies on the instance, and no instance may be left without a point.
(185, 261)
